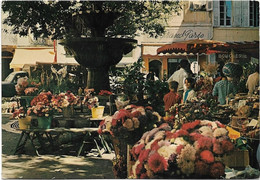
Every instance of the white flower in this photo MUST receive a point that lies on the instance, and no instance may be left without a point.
(167, 151)
(207, 122)
(134, 168)
(180, 141)
(220, 132)
(206, 131)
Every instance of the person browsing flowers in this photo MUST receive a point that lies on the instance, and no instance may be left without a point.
(189, 93)
(172, 97)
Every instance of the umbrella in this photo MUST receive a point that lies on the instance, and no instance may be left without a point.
(194, 46)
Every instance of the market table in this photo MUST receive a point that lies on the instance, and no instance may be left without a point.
(41, 135)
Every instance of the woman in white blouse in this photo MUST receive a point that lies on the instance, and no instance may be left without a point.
(189, 93)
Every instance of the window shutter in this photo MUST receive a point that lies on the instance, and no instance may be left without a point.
(216, 13)
(245, 13)
(237, 16)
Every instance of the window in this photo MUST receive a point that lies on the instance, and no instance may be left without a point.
(200, 5)
(254, 13)
(225, 13)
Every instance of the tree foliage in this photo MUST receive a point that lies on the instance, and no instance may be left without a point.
(62, 19)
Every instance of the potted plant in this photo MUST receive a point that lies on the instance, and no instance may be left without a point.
(23, 119)
(92, 102)
(43, 108)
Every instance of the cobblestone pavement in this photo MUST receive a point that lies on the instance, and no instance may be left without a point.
(30, 166)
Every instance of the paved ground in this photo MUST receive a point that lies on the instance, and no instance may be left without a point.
(63, 166)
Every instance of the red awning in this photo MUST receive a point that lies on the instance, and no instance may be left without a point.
(190, 46)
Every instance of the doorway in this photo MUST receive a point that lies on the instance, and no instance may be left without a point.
(156, 67)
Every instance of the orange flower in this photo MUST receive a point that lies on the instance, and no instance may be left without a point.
(129, 125)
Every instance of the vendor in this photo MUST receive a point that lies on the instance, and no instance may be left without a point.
(222, 89)
(189, 92)
(253, 81)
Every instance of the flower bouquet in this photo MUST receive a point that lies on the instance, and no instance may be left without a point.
(192, 151)
(66, 102)
(24, 121)
(126, 126)
(104, 93)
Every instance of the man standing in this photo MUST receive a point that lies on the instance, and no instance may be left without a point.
(180, 75)
(253, 81)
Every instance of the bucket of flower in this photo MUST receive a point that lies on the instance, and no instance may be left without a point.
(43, 107)
(126, 126)
(190, 151)
(23, 120)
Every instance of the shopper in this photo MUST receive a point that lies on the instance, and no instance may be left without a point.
(253, 81)
(189, 93)
(222, 89)
(180, 75)
(172, 97)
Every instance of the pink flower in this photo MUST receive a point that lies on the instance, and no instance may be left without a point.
(207, 156)
(217, 170)
(137, 149)
(144, 176)
(154, 145)
(205, 142)
(201, 168)
(139, 167)
(157, 163)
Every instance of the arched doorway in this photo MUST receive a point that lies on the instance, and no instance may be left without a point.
(156, 66)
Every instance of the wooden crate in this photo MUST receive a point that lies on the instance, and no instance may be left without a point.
(237, 159)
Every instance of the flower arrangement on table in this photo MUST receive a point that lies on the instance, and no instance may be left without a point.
(194, 150)
(27, 87)
(64, 100)
(19, 113)
(42, 105)
(89, 99)
(130, 123)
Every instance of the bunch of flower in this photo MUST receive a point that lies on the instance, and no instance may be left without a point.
(31, 91)
(89, 99)
(22, 83)
(9, 107)
(64, 100)
(104, 93)
(130, 123)
(19, 113)
(42, 105)
(194, 150)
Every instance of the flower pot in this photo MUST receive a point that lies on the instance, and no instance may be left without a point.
(25, 123)
(97, 112)
(44, 122)
(68, 111)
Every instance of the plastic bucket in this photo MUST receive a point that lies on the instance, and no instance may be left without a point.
(97, 112)
(44, 122)
(25, 123)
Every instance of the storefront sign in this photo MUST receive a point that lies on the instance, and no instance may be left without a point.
(228, 56)
(181, 34)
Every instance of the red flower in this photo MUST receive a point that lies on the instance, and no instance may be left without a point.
(169, 135)
(104, 93)
(137, 149)
(144, 155)
(201, 168)
(220, 124)
(217, 149)
(144, 176)
(139, 167)
(149, 108)
(195, 136)
(227, 145)
(121, 114)
(114, 122)
(157, 163)
(217, 170)
(207, 156)
(181, 132)
(179, 148)
(205, 142)
(155, 146)
(191, 125)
